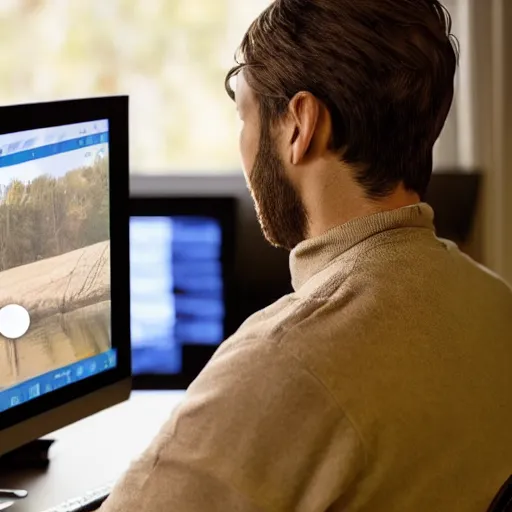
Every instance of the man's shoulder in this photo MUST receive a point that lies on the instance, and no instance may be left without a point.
(274, 321)
(329, 298)
(294, 332)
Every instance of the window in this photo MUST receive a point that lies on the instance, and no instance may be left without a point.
(170, 56)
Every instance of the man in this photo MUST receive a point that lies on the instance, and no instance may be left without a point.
(383, 383)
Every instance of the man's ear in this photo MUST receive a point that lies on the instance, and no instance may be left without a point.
(304, 112)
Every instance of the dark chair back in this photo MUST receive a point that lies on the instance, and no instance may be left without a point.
(503, 500)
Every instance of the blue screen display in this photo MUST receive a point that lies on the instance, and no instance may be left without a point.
(55, 303)
(176, 289)
(56, 379)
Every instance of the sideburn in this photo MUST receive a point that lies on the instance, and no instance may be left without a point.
(280, 210)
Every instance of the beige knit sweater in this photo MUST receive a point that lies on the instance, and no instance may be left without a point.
(384, 383)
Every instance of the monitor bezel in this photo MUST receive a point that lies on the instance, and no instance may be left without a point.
(223, 209)
(115, 382)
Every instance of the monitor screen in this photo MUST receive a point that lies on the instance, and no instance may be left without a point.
(177, 289)
(55, 309)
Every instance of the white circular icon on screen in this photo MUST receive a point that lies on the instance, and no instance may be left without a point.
(14, 321)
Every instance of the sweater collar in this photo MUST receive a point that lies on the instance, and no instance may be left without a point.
(313, 255)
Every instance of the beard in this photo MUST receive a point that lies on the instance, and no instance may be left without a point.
(280, 210)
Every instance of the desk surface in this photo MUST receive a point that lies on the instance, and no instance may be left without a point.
(94, 451)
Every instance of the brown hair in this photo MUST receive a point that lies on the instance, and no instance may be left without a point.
(383, 68)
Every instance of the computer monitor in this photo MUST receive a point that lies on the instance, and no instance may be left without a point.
(64, 329)
(181, 264)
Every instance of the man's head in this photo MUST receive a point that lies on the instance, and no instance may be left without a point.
(340, 99)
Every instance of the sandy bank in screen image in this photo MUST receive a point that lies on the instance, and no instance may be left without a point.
(55, 262)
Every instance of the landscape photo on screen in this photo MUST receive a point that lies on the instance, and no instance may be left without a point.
(54, 249)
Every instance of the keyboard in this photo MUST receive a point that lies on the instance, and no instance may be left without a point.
(89, 502)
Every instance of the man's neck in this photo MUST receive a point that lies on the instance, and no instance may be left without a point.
(333, 212)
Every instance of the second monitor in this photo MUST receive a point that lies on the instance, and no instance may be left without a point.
(181, 264)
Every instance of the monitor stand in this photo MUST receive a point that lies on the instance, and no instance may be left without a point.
(33, 455)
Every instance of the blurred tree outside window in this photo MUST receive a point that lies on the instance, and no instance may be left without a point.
(170, 56)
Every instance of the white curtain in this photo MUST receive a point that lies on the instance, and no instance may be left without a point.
(489, 100)
(493, 74)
